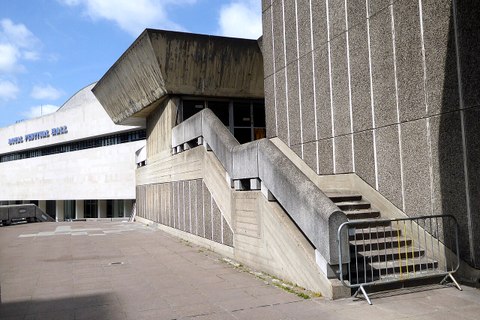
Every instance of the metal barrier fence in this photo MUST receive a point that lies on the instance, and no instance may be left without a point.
(396, 250)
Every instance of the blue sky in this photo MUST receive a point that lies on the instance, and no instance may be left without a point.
(50, 49)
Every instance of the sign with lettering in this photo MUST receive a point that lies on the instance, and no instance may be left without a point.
(38, 135)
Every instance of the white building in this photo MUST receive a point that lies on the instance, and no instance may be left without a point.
(74, 163)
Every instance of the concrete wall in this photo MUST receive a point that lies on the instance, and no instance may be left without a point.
(384, 89)
(82, 114)
(97, 173)
(159, 127)
(188, 195)
(161, 63)
(185, 205)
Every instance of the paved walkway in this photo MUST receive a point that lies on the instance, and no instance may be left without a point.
(115, 270)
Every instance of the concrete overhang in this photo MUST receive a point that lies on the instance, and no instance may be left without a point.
(161, 63)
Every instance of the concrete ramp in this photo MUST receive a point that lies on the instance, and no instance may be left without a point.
(23, 212)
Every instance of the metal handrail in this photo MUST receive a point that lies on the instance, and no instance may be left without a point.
(424, 246)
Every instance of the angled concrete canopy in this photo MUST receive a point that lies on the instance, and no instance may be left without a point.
(161, 63)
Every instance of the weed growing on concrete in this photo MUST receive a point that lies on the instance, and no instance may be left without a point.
(272, 280)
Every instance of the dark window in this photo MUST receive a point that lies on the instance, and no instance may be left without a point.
(69, 209)
(115, 208)
(243, 135)
(190, 107)
(242, 114)
(244, 118)
(221, 110)
(90, 208)
(258, 115)
(51, 208)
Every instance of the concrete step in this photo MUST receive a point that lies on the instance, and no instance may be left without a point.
(405, 265)
(375, 233)
(390, 254)
(373, 244)
(342, 197)
(362, 214)
(353, 205)
(405, 268)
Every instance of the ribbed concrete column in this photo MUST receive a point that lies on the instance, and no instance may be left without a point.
(127, 207)
(79, 209)
(60, 212)
(102, 208)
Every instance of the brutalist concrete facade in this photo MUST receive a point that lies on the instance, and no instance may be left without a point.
(387, 90)
(185, 205)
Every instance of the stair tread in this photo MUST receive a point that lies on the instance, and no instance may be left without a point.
(361, 211)
(374, 233)
(393, 240)
(350, 203)
(390, 251)
(379, 229)
(402, 263)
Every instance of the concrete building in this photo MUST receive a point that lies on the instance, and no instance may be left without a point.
(371, 111)
(384, 91)
(73, 163)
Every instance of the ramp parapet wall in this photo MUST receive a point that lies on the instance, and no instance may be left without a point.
(313, 212)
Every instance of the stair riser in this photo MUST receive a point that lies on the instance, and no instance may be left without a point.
(398, 271)
(345, 198)
(363, 215)
(353, 206)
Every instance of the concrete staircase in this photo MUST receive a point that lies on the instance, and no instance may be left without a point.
(381, 251)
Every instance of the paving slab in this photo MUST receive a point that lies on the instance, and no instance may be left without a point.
(120, 270)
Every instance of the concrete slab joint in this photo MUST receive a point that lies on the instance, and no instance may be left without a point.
(248, 164)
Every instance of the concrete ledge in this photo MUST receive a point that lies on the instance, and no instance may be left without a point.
(218, 137)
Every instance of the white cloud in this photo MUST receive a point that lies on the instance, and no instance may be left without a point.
(8, 57)
(241, 18)
(45, 93)
(31, 55)
(18, 34)
(38, 111)
(16, 43)
(8, 90)
(131, 16)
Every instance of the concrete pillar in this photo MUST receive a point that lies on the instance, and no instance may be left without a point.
(127, 207)
(238, 185)
(267, 192)
(255, 184)
(102, 208)
(60, 212)
(42, 204)
(79, 209)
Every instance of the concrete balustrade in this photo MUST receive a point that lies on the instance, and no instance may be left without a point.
(313, 212)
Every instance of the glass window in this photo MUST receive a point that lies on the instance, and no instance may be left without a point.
(221, 110)
(115, 208)
(243, 135)
(258, 115)
(51, 208)
(74, 146)
(90, 208)
(69, 209)
(242, 114)
(190, 107)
